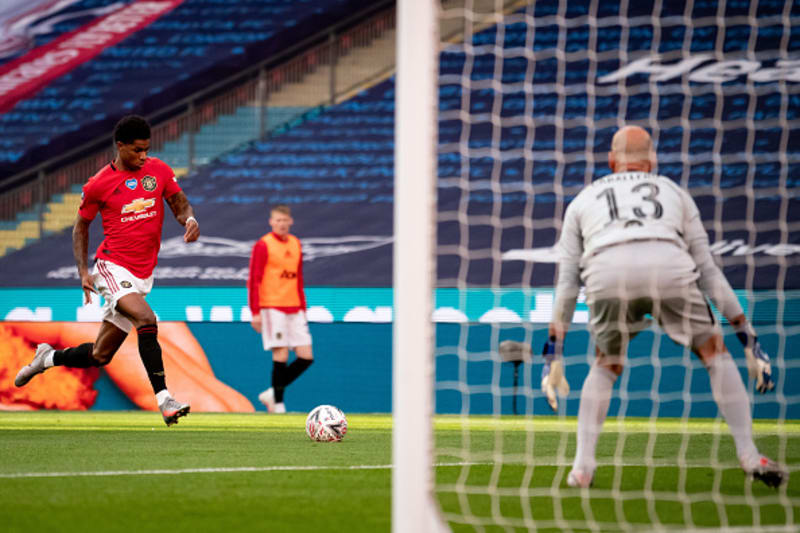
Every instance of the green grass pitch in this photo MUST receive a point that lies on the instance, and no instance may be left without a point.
(125, 471)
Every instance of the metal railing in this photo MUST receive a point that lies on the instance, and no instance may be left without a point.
(255, 87)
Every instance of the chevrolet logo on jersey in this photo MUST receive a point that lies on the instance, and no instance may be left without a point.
(138, 205)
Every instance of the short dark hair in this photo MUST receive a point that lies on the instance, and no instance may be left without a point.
(131, 128)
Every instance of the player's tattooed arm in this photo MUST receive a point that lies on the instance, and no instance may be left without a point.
(180, 207)
(80, 249)
(184, 214)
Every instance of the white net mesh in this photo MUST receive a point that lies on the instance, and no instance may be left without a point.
(530, 96)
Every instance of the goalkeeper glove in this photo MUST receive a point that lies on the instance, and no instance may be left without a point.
(553, 379)
(758, 366)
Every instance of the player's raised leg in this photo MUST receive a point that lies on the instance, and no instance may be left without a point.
(42, 360)
(135, 308)
(99, 353)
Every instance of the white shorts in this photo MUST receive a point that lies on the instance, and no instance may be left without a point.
(627, 282)
(113, 282)
(279, 329)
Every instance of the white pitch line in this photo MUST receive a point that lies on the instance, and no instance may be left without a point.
(285, 468)
(277, 468)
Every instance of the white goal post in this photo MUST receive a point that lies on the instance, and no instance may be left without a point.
(414, 508)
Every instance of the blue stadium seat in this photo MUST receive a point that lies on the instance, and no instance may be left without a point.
(198, 43)
(337, 166)
(343, 159)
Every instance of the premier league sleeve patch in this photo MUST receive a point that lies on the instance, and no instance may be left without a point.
(149, 183)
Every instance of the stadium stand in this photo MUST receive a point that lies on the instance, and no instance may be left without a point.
(341, 160)
(199, 41)
(336, 167)
(204, 127)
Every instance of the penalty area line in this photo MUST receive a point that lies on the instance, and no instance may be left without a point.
(220, 470)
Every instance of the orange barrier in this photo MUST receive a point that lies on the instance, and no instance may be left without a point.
(189, 374)
(58, 388)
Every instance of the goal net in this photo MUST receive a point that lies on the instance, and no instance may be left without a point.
(530, 95)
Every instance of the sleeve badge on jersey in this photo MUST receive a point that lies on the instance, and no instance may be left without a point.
(149, 183)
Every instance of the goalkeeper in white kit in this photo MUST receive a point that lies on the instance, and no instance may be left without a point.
(635, 240)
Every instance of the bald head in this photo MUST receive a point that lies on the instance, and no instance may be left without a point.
(631, 149)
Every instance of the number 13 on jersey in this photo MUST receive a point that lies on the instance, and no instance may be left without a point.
(641, 201)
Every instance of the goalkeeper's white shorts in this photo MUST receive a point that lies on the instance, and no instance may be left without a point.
(284, 330)
(627, 282)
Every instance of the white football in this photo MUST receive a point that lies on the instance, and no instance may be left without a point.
(326, 423)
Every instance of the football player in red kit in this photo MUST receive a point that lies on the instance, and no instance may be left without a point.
(129, 195)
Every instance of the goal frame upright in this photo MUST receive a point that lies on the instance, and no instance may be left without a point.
(414, 506)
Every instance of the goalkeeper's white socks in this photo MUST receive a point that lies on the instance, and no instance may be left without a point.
(595, 398)
(733, 403)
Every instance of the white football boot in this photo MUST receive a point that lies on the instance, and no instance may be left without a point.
(172, 410)
(34, 367)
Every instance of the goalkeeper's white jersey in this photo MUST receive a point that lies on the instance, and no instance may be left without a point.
(625, 207)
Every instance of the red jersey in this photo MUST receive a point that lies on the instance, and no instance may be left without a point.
(131, 205)
(276, 275)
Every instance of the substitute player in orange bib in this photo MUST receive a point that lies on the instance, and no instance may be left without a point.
(129, 194)
(278, 304)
